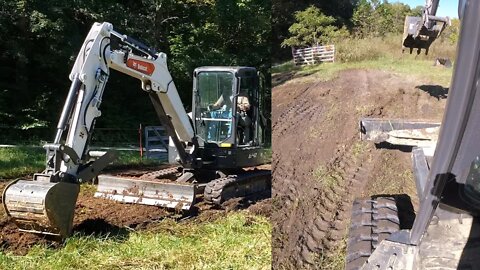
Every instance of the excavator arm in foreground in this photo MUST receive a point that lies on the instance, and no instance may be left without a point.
(420, 32)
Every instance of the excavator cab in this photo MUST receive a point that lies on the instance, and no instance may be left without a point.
(214, 91)
(228, 113)
(226, 102)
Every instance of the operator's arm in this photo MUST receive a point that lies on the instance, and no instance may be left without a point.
(217, 105)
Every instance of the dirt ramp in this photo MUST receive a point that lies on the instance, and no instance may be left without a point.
(320, 166)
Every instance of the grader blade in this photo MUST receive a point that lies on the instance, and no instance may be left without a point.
(149, 192)
(41, 207)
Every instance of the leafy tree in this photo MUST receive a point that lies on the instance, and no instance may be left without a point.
(283, 16)
(398, 12)
(417, 11)
(43, 38)
(452, 32)
(312, 27)
(362, 18)
(375, 18)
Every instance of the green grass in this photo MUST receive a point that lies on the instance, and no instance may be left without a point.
(408, 66)
(16, 162)
(285, 67)
(133, 158)
(21, 161)
(238, 241)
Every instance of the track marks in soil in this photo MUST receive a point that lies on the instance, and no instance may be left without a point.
(328, 229)
(319, 166)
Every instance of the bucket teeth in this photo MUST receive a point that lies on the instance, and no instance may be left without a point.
(41, 207)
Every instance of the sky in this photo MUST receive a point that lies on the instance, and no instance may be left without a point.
(446, 7)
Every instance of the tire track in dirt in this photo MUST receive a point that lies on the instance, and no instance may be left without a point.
(326, 231)
(319, 165)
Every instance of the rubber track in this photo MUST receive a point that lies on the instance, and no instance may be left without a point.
(373, 220)
(216, 191)
(161, 173)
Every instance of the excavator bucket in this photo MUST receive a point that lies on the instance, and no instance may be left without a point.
(401, 132)
(175, 195)
(41, 207)
(418, 35)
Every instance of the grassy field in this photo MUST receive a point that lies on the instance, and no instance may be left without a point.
(406, 66)
(16, 162)
(375, 53)
(238, 241)
(21, 161)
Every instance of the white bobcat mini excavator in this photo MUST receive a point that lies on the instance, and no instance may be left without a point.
(207, 146)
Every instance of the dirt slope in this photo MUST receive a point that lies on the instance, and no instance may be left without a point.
(320, 166)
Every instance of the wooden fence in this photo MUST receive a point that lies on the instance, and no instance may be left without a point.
(313, 55)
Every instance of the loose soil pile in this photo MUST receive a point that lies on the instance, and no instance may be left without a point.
(320, 165)
(103, 218)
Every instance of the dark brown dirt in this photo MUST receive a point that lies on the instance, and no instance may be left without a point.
(103, 218)
(320, 166)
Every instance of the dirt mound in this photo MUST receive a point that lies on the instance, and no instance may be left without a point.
(103, 218)
(320, 166)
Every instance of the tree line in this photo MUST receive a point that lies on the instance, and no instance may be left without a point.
(41, 38)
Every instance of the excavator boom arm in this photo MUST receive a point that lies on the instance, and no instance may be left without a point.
(105, 48)
(46, 204)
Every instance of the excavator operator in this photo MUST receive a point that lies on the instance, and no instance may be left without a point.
(243, 107)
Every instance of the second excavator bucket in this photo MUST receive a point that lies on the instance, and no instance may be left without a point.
(417, 35)
(175, 195)
(41, 207)
(401, 132)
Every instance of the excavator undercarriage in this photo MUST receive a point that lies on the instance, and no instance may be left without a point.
(154, 188)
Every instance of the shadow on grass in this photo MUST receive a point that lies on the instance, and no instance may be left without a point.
(101, 229)
(436, 91)
(296, 72)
